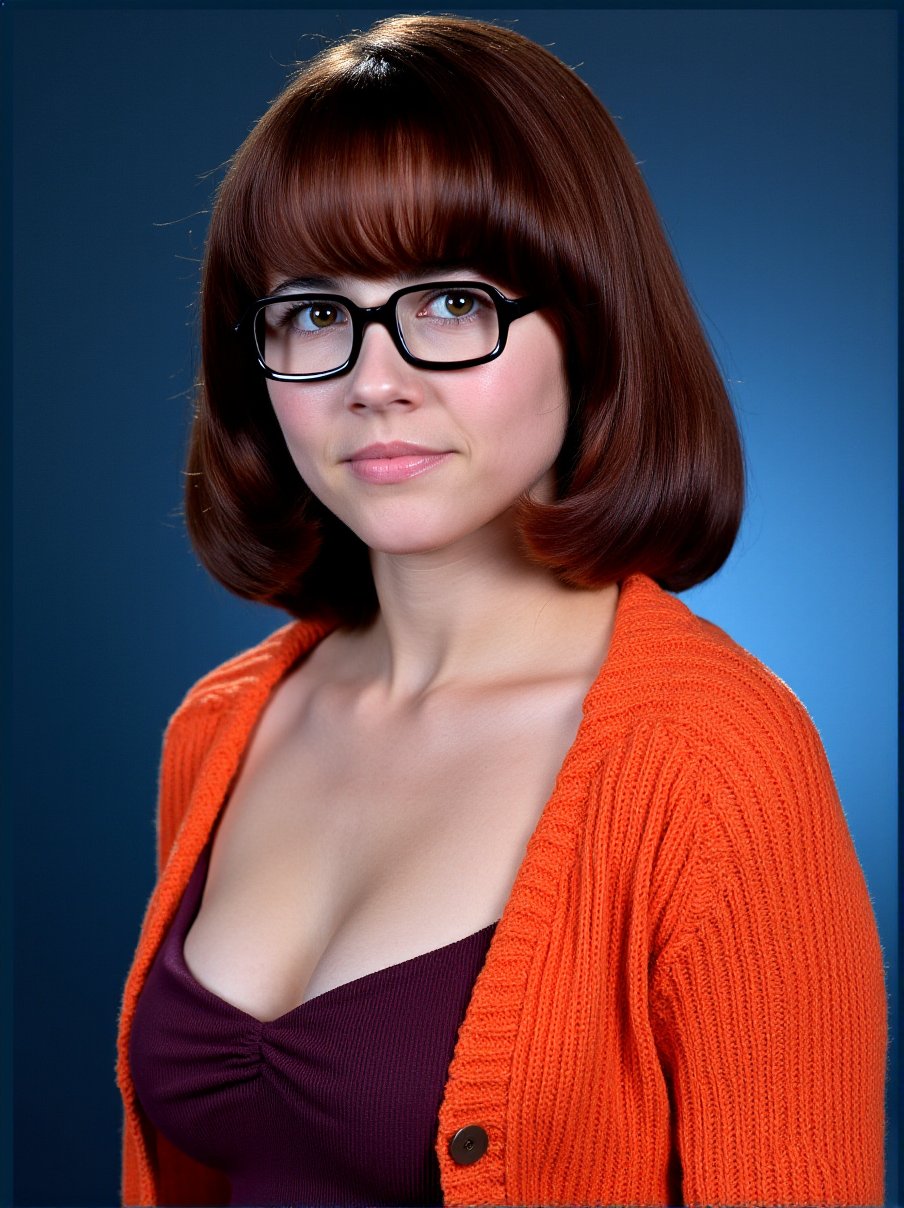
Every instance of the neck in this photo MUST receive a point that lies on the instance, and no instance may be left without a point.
(476, 612)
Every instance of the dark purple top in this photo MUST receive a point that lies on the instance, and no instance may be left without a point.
(335, 1102)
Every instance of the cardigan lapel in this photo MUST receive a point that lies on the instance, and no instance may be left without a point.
(479, 1088)
(231, 720)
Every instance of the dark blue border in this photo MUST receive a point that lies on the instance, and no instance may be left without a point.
(8, 9)
(6, 805)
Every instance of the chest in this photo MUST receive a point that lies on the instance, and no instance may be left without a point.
(346, 848)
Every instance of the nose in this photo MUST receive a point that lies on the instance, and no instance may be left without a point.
(381, 377)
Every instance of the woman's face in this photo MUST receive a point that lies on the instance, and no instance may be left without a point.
(493, 431)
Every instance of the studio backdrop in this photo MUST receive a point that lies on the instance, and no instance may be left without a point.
(768, 141)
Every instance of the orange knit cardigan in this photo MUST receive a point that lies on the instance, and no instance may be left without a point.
(684, 999)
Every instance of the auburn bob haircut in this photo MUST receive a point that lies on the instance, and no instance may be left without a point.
(449, 141)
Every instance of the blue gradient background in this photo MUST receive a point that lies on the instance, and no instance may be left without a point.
(768, 140)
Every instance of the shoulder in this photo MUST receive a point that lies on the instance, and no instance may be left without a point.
(688, 675)
(216, 715)
(743, 765)
(247, 674)
(751, 818)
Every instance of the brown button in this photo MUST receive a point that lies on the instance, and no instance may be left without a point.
(468, 1144)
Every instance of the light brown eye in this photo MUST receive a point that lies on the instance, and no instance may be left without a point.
(323, 316)
(459, 305)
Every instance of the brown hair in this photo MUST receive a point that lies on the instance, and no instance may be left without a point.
(450, 141)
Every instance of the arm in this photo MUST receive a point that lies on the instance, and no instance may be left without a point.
(770, 1011)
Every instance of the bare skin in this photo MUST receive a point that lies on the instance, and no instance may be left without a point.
(395, 776)
(363, 829)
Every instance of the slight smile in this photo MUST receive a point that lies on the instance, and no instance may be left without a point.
(394, 462)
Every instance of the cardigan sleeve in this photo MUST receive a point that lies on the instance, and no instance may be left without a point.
(176, 1178)
(769, 1010)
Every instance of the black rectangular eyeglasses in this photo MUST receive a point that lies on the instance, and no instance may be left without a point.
(302, 337)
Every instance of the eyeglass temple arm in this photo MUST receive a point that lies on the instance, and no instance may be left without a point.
(517, 307)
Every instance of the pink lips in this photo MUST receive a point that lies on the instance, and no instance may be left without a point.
(393, 462)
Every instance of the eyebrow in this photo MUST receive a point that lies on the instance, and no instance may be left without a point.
(303, 283)
(330, 284)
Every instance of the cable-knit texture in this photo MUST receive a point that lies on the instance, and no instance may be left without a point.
(684, 1000)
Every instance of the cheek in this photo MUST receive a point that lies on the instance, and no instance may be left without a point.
(296, 421)
(530, 427)
(532, 442)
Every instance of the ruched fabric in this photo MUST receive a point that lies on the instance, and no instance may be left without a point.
(335, 1102)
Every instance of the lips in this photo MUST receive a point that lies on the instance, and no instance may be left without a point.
(395, 448)
(394, 462)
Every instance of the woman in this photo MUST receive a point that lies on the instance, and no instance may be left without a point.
(497, 876)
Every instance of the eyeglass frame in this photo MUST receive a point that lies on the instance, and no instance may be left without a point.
(386, 315)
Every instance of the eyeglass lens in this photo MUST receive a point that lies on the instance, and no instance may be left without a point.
(314, 335)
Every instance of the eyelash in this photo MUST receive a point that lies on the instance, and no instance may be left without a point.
(469, 318)
(293, 310)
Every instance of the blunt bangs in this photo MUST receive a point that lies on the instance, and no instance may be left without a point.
(385, 175)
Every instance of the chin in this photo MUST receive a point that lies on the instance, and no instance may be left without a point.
(393, 526)
(406, 544)
(406, 537)
(401, 527)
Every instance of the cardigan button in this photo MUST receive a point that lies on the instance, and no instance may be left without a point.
(468, 1144)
